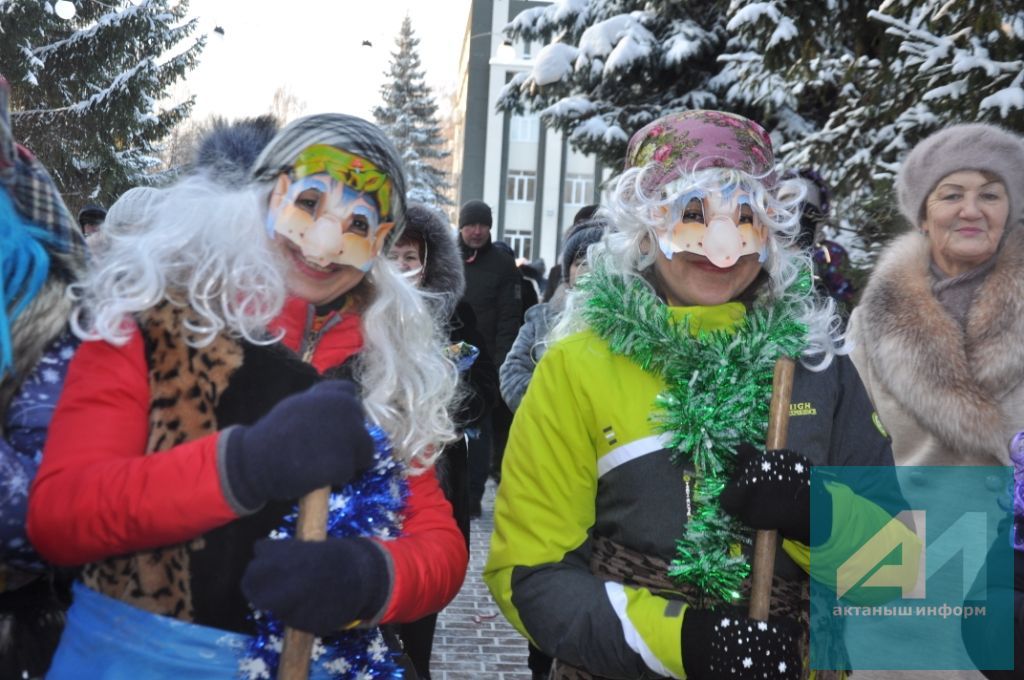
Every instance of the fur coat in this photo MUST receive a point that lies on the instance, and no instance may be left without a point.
(947, 396)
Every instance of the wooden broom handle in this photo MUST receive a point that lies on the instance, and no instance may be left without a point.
(311, 525)
(766, 542)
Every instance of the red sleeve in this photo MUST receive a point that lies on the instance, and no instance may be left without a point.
(429, 559)
(97, 494)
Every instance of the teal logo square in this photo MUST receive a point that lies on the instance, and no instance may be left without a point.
(911, 568)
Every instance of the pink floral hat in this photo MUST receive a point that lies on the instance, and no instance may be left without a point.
(694, 140)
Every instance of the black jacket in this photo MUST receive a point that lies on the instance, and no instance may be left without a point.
(492, 290)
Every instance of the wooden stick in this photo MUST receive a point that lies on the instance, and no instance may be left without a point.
(311, 525)
(766, 542)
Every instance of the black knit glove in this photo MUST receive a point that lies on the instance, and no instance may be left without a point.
(725, 644)
(312, 439)
(318, 586)
(772, 490)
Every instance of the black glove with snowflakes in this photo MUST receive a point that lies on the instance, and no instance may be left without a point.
(772, 490)
(723, 643)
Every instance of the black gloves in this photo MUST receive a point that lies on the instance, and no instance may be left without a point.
(311, 439)
(772, 490)
(319, 586)
(726, 644)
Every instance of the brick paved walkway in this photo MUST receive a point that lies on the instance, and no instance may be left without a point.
(473, 640)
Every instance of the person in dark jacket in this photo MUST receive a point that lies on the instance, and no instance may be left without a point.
(830, 258)
(42, 252)
(492, 281)
(555, 276)
(493, 291)
(428, 256)
(531, 342)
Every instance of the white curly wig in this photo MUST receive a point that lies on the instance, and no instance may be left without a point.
(203, 244)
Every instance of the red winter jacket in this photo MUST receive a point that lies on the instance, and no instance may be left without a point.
(97, 495)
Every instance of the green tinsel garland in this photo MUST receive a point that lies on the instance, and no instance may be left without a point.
(719, 387)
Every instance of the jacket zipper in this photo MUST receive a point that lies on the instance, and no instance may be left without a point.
(311, 339)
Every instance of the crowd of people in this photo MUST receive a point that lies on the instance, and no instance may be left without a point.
(191, 375)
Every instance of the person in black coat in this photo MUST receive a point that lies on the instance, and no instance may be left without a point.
(492, 280)
(494, 291)
(428, 255)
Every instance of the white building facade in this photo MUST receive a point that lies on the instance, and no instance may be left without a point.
(529, 175)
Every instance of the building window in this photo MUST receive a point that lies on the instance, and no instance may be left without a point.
(524, 128)
(526, 47)
(579, 189)
(520, 240)
(521, 186)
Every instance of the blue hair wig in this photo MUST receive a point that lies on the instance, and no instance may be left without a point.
(24, 266)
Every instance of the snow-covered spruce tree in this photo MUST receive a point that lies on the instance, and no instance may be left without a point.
(845, 86)
(85, 91)
(409, 117)
(851, 97)
(611, 66)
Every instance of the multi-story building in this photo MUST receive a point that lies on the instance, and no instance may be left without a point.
(527, 172)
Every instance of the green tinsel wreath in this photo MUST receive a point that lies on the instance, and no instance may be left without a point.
(718, 390)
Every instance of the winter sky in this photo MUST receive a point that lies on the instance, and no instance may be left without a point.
(314, 49)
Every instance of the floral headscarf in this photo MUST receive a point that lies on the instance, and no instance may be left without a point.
(694, 140)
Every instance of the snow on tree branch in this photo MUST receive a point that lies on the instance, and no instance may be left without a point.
(849, 97)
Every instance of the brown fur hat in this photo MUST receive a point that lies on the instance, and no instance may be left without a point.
(970, 146)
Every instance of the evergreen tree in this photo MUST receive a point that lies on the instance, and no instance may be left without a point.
(85, 91)
(612, 66)
(852, 97)
(845, 86)
(409, 117)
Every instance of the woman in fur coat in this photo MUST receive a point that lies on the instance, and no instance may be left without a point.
(938, 333)
(41, 253)
(247, 344)
(939, 330)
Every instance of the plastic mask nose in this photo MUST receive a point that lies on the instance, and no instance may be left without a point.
(323, 239)
(722, 242)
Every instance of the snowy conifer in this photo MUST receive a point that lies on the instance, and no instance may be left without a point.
(612, 66)
(845, 86)
(852, 97)
(409, 117)
(85, 91)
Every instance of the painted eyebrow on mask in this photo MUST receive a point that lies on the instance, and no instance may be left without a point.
(680, 203)
(366, 211)
(311, 183)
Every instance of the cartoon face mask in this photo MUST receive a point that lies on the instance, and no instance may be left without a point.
(329, 205)
(719, 224)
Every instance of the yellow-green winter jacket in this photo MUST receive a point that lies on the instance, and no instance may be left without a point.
(584, 459)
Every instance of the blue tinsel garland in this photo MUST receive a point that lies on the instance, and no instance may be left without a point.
(371, 506)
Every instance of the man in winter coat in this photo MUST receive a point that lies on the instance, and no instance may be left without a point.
(493, 291)
(492, 281)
